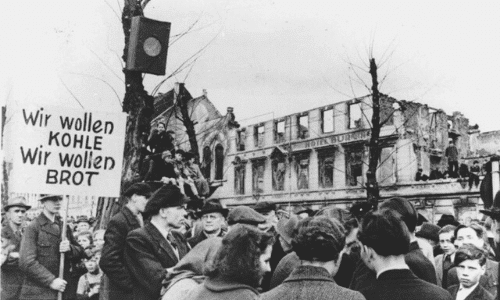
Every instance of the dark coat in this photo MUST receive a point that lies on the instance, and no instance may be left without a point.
(479, 293)
(39, 257)
(420, 265)
(214, 289)
(489, 280)
(12, 276)
(112, 256)
(195, 240)
(403, 285)
(310, 283)
(148, 254)
(160, 142)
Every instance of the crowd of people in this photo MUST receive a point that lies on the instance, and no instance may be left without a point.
(155, 248)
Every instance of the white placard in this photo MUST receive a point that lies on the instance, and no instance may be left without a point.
(67, 152)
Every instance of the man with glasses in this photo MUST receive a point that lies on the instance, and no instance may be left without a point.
(213, 217)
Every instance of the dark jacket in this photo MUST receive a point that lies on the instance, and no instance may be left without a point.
(195, 240)
(489, 280)
(39, 257)
(148, 254)
(310, 283)
(214, 289)
(112, 260)
(403, 285)
(420, 265)
(160, 142)
(479, 293)
(12, 276)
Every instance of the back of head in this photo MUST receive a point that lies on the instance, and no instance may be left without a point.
(319, 239)
(385, 233)
(404, 209)
(238, 259)
(470, 252)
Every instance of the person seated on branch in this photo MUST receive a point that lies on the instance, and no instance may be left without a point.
(182, 177)
(193, 171)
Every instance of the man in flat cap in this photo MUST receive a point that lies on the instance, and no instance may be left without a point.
(12, 231)
(268, 210)
(117, 278)
(213, 217)
(157, 246)
(40, 253)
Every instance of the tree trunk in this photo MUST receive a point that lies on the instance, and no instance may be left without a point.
(138, 104)
(372, 188)
(182, 103)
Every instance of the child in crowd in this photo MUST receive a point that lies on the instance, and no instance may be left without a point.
(89, 283)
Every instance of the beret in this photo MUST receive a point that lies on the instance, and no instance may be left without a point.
(245, 215)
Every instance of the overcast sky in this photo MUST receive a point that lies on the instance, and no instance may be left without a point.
(264, 57)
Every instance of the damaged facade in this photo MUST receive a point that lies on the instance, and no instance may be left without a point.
(320, 157)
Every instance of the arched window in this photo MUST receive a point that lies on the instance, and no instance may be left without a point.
(207, 162)
(219, 162)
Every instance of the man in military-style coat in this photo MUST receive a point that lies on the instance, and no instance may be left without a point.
(40, 253)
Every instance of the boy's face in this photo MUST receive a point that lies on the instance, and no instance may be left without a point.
(91, 265)
(83, 241)
(445, 242)
(469, 272)
(468, 236)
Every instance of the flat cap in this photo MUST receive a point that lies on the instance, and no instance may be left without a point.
(264, 207)
(140, 189)
(245, 215)
(429, 231)
(50, 198)
(166, 196)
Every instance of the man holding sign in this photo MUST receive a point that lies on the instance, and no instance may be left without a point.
(40, 252)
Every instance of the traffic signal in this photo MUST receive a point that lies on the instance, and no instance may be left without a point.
(148, 46)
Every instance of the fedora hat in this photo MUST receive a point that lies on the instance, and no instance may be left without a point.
(211, 207)
(18, 201)
(494, 211)
(50, 198)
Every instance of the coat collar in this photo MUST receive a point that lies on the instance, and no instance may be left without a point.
(397, 274)
(160, 240)
(47, 225)
(131, 218)
(218, 285)
(309, 273)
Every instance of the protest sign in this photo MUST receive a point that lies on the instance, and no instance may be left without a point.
(67, 152)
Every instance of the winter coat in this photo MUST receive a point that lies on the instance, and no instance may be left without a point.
(39, 257)
(147, 255)
(12, 276)
(216, 289)
(112, 260)
(310, 283)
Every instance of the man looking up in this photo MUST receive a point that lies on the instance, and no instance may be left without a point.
(112, 262)
(40, 253)
(12, 277)
(212, 216)
(470, 262)
(157, 246)
(444, 262)
(385, 241)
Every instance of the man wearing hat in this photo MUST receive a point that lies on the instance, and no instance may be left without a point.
(268, 210)
(40, 253)
(212, 216)
(117, 278)
(12, 277)
(157, 246)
